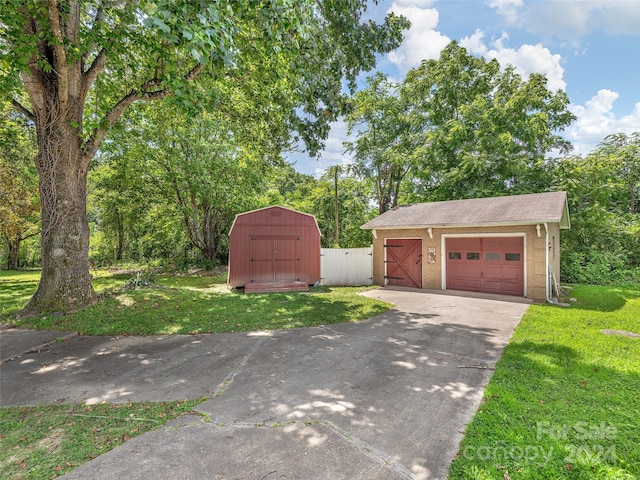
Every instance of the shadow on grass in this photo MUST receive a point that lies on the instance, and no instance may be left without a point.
(14, 295)
(603, 298)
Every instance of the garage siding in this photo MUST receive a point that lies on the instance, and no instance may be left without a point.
(534, 247)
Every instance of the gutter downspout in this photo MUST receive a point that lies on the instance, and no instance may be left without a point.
(546, 253)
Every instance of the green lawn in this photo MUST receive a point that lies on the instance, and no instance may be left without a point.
(45, 442)
(187, 305)
(564, 401)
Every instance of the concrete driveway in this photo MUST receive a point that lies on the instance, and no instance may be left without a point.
(387, 398)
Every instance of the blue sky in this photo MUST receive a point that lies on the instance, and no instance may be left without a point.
(589, 48)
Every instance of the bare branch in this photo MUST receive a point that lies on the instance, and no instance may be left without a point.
(24, 110)
(145, 92)
(91, 146)
(95, 68)
(194, 72)
(24, 237)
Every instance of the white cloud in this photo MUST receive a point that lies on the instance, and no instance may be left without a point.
(620, 17)
(506, 8)
(527, 59)
(596, 120)
(570, 19)
(475, 43)
(422, 41)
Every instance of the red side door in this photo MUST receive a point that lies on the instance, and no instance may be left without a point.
(403, 261)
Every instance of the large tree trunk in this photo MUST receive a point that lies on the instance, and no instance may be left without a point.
(65, 283)
(61, 70)
(203, 235)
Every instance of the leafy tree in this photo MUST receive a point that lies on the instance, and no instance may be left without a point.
(120, 200)
(317, 197)
(82, 63)
(19, 205)
(380, 150)
(603, 245)
(623, 152)
(211, 174)
(201, 170)
(479, 130)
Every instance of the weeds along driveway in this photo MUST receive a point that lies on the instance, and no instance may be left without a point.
(384, 398)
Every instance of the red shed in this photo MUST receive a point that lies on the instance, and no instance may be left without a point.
(275, 246)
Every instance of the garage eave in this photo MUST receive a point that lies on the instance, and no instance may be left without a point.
(467, 225)
(565, 221)
(528, 209)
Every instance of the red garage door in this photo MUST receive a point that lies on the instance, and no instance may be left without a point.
(490, 265)
(403, 262)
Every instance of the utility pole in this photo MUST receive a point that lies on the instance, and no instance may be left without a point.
(336, 238)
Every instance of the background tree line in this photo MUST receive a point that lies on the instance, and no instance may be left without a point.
(167, 183)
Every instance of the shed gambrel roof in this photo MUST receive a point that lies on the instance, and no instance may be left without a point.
(550, 207)
(276, 208)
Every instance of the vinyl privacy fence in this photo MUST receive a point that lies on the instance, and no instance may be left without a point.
(346, 266)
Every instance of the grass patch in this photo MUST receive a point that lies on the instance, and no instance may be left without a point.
(188, 304)
(16, 289)
(564, 401)
(49, 441)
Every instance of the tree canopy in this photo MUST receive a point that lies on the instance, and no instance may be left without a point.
(603, 245)
(82, 64)
(457, 127)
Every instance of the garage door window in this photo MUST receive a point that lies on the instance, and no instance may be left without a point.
(492, 256)
(473, 255)
(455, 256)
(512, 257)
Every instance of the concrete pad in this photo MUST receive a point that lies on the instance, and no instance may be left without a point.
(388, 397)
(207, 451)
(404, 383)
(15, 341)
(92, 370)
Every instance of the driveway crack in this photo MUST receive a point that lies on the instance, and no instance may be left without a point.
(324, 327)
(371, 452)
(237, 369)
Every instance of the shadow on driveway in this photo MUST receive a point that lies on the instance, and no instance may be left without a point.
(387, 397)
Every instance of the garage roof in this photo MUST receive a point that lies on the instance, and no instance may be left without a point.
(528, 209)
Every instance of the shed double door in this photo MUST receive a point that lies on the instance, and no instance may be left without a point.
(489, 265)
(274, 258)
(403, 262)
